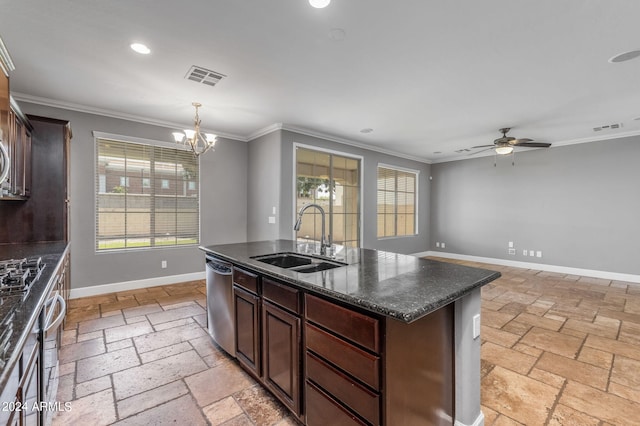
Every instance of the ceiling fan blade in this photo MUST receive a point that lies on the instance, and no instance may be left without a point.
(516, 142)
(483, 146)
(534, 144)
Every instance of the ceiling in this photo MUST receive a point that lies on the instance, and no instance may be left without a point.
(429, 77)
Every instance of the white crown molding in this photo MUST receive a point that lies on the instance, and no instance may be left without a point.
(337, 139)
(112, 114)
(325, 136)
(617, 276)
(97, 290)
(265, 131)
(604, 137)
(6, 64)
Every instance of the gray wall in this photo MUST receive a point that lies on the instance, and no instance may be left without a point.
(223, 203)
(264, 187)
(578, 204)
(405, 245)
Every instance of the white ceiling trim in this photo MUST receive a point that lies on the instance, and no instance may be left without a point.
(343, 141)
(264, 131)
(304, 131)
(112, 114)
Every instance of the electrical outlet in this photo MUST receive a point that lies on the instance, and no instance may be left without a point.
(511, 245)
(539, 253)
(476, 326)
(531, 253)
(272, 219)
(442, 245)
(163, 264)
(524, 252)
(512, 251)
(437, 243)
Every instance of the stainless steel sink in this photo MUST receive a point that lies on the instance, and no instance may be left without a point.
(284, 260)
(316, 267)
(297, 262)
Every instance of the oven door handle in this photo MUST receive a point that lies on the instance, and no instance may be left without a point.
(63, 310)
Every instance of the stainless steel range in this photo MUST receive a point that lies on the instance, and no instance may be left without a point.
(17, 275)
(16, 279)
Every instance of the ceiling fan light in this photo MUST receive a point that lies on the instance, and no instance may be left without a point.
(504, 150)
(319, 4)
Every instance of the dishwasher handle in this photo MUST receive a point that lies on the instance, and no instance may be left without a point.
(219, 267)
(53, 325)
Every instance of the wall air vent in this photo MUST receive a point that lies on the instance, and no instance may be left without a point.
(608, 127)
(204, 76)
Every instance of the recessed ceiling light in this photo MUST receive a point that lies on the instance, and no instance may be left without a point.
(140, 48)
(626, 56)
(319, 4)
(367, 130)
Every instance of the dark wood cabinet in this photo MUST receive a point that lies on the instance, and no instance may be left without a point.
(17, 141)
(44, 214)
(281, 354)
(342, 362)
(247, 323)
(331, 363)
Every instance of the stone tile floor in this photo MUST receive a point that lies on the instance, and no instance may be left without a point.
(556, 350)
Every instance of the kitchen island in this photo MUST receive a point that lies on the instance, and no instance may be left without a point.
(383, 338)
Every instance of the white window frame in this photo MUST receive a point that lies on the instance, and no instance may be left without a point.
(416, 214)
(297, 145)
(123, 138)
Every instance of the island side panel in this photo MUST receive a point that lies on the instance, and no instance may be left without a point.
(419, 370)
(467, 367)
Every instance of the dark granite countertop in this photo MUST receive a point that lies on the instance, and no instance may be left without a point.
(400, 286)
(25, 310)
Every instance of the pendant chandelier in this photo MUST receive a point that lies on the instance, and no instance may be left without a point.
(197, 141)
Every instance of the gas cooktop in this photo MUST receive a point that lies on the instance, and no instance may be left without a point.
(17, 275)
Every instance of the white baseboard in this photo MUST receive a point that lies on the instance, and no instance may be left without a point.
(132, 285)
(541, 266)
(479, 421)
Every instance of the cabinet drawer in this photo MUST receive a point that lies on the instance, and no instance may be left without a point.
(322, 410)
(355, 396)
(245, 279)
(355, 361)
(359, 328)
(281, 294)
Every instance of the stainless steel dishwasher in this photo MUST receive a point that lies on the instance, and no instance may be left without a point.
(220, 307)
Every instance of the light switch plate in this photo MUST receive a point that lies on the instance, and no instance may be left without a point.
(476, 326)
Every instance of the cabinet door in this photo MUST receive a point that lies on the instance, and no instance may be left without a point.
(247, 322)
(281, 357)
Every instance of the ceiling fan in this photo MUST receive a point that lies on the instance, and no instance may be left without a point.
(505, 144)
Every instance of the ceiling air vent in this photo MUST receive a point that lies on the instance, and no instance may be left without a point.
(608, 127)
(204, 76)
(460, 151)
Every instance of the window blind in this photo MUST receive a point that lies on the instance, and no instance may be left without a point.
(396, 202)
(146, 196)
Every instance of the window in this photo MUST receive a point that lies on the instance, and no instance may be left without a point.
(141, 196)
(333, 182)
(397, 192)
